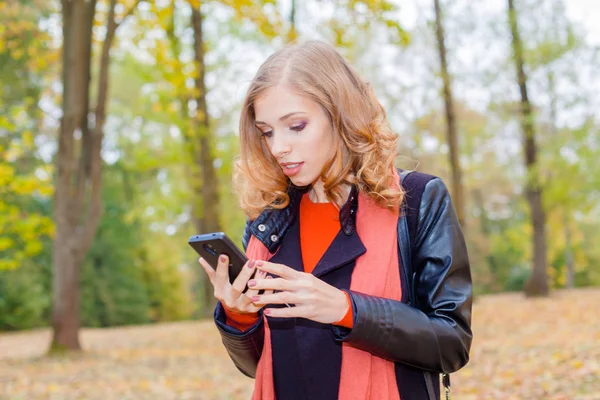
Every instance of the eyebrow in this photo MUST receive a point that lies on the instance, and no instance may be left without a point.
(286, 116)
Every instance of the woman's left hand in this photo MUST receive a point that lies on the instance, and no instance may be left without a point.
(313, 298)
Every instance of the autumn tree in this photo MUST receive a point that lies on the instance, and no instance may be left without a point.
(556, 56)
(538, 283)
(77, 200)
(452, 135)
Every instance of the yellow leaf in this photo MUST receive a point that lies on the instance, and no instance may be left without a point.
(6, 243)
(6, 174)
(33, 248)
(8, 264)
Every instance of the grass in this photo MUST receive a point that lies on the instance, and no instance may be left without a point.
(543, 348)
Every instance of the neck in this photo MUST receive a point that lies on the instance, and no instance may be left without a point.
(317, 193)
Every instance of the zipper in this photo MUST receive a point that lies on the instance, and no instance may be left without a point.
(412, 288)
(446, 383)
(409, 296)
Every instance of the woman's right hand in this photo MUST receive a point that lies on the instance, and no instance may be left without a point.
(230, 295)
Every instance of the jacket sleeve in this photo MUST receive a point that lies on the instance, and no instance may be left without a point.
(244, 348)
(437, 335)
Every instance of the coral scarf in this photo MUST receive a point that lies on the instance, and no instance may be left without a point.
(363, 375)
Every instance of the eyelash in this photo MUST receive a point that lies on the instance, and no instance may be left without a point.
(297, 128)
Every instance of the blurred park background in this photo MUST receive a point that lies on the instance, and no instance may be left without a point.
(118, 132)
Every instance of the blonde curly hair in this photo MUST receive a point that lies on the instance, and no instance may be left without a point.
(365, 144)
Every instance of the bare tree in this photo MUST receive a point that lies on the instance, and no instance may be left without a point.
(207, 197)
(457, 188)
(77, 200)
(537, 285)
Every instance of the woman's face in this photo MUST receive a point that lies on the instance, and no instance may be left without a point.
(297, 132)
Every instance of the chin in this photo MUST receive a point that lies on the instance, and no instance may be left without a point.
(300, 181)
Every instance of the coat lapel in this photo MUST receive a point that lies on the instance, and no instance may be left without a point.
(343, 250)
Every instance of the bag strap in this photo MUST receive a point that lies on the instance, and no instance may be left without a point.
(407, 228)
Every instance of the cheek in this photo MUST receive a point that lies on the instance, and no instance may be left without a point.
(267, 146)
(327, 145)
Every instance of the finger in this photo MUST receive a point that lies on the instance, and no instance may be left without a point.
(272, 284)
(242, 279)
(280, 270)
(286, 312)
(275, 298)
(222, 275)
(250, 293)
(267, 277)
(209, 270)
(260, 274)
(253, 292)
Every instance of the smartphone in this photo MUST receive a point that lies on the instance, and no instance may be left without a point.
(211, 245)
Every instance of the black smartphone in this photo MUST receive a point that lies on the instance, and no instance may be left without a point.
(211, 245)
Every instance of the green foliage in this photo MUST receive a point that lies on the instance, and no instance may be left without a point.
(113, 291)
(24, 300)
(124, 280)
(508, 251)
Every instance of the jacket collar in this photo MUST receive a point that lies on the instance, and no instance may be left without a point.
(272, 224)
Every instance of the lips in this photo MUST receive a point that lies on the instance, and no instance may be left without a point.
(290, 165)
(291, 168)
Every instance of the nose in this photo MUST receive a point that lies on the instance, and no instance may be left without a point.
(280, 146)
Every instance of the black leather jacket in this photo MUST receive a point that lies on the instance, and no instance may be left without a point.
(433, 334)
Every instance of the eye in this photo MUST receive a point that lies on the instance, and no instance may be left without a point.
(298, 127)
(267, 134)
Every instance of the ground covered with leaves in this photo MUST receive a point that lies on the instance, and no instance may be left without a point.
(523, 349)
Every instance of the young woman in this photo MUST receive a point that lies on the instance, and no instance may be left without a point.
(330, 311)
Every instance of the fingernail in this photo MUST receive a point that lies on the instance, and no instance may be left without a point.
(269, 277)
(267, 311)
(251, 283)
(259, 263)
(223, 258)
(251, 264)
(255, 299)
(200, 259)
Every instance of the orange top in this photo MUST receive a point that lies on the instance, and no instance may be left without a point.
(319, 225)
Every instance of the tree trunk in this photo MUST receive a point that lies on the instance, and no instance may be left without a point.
(78, 207)
(78, 19)
(537, 285)
(457, 188)
(209, 187)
